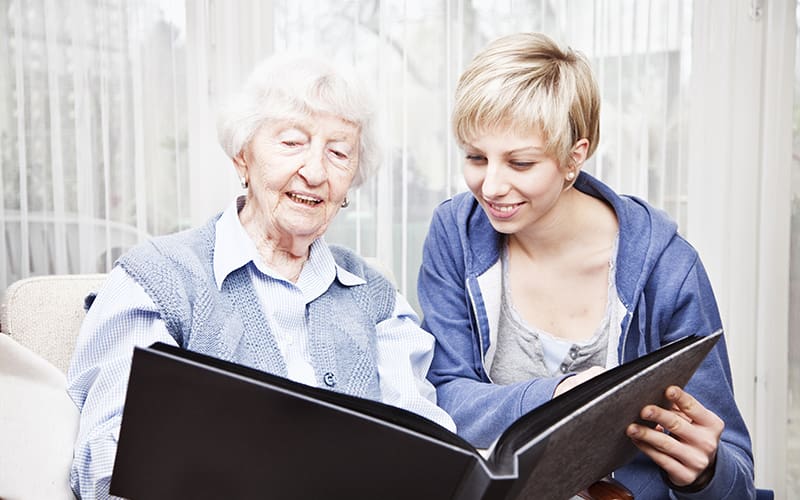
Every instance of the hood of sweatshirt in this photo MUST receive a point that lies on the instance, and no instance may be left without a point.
(647, 233)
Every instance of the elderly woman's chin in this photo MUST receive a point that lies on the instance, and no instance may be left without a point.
(309, 216)
(304, 221)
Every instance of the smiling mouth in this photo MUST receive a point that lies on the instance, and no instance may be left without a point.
(503, 208)
(306, 200)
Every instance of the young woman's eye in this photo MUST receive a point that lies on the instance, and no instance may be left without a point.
(476, 158)
(522, 164)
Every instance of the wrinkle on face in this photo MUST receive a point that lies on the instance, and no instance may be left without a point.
(300, 169)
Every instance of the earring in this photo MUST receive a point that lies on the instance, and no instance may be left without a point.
(345, 202)
(570, 176)
(243, 182)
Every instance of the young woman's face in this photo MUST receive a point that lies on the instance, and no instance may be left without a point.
(512, 177)
(299, 171)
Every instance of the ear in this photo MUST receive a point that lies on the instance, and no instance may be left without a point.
(240, 164)
(578, 154)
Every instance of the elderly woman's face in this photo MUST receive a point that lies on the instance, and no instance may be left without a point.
(299, 170)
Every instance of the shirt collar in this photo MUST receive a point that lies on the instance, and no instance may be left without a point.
(233, 248)
(347, 278)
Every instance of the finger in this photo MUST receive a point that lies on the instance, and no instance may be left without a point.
(689, 406)
(668, 420)
(574, 380)
(698, 444)
(683, 464)
(678, 474)
(674, 408)
(701, 418)
(701, 439)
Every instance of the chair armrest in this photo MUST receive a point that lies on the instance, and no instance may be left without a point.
(44, 313)
(38, 424)
(606, 489)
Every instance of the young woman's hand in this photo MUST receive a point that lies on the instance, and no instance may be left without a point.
(685, 441)
(577, 379)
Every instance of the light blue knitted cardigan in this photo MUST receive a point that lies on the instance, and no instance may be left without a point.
(176, 271)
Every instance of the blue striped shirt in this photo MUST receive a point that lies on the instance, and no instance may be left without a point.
(124, 316)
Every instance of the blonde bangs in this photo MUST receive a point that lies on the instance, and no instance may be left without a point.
(484, 106)
(526, 81)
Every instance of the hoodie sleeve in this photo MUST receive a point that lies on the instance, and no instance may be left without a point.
(696, 312)
(480, 409)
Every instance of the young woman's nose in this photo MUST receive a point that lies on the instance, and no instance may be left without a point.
(494, 184)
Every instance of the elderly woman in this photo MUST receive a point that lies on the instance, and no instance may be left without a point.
(257, 284)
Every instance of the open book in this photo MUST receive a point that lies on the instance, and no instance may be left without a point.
(198, 427)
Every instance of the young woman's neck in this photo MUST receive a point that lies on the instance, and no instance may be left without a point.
(555, 230)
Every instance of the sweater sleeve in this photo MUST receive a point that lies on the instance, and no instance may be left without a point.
(404, 355)
(696, 312)
(481, 410)
(121, 317)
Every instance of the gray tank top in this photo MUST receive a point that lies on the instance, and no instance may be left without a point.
(524, 351)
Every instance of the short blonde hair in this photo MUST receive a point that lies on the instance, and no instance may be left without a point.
(299, 83)
(526, 80)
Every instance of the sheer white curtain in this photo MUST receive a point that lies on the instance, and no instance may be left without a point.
(793, 434)
(411, 53)
(92, 130)
(739, 211)
(107, 129)
(102, 97)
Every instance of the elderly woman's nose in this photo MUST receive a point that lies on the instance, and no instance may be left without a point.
(314, 170)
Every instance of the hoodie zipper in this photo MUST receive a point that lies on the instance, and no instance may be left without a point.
(478, 330)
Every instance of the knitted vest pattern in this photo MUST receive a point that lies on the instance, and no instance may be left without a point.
(176, 271)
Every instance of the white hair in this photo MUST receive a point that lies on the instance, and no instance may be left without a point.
(286, 84)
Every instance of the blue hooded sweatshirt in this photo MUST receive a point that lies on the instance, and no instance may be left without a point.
(666, 292)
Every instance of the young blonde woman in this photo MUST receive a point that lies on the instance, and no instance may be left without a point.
(542, 276)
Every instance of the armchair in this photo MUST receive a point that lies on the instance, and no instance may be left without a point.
(39, 321)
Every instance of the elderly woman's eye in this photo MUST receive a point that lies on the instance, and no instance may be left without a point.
(292, 138)
(341, 155)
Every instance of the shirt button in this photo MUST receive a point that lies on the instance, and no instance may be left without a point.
(330, 379)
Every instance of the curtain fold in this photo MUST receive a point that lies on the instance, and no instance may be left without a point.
(93, 131)
(107, 120)
(99, 116)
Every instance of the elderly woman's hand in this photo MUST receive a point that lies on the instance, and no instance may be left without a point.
(685, 441)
